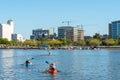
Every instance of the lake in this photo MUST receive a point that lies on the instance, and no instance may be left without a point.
(71, 64)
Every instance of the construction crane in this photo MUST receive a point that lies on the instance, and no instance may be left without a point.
(80, 26)
(68, 22)
(86, 25)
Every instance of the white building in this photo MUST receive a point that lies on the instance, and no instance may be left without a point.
(6, 30)
(18, 37)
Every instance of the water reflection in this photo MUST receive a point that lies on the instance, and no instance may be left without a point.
(6, 64)
(6, 53)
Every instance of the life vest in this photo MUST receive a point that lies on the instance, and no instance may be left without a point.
(51, 71)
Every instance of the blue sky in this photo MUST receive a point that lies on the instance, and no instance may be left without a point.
(27, 15)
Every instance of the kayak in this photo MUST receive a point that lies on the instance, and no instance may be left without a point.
(28, 64)
(52, 71)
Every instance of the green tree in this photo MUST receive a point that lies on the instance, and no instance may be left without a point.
(14, 42)
(97, 36)
(54, 42)
(42, 40)
(110, 42)
(82, 43)
(63, 40)
(94, 42)
(30, 43)
(68, 42)
(4, 41)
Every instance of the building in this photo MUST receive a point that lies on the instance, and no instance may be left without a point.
(110, 30)
(105, 36)
(64, 31)
(71, 33)
(18, 37)
(80, 34)
(114, 29)
(87, 37)
(53, 36)
(40, 33)
(6, 30)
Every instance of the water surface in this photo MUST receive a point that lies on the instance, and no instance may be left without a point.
(72, 64)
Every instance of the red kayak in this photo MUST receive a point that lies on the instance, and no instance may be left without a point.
(51, 71)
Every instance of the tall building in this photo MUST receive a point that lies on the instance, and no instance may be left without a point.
(18, 37)
(80, 34)
(64, 31)
(40, 33)
(110, 30)
(6, 30)
(71, 33)
(114, 29)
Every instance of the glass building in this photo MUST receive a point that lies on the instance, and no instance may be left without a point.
(114, 30)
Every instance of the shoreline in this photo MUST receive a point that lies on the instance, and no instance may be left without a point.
(109, 47)
(69, 48)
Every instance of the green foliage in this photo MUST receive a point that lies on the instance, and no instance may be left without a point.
(14, 42)
(97, 36)
(4, 41)
(110, 42)
(82, 43)
(30, 43)
(63, 40)
(54, 42)
(94, 42)
(42, 40)
(68, 42)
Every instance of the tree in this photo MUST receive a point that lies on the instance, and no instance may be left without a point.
(54, 42)
(82, 43)
(4, 41)
(97, 36)
(14, 42)
(110, 42)
(42, 40)
(63, 40)
(68, 42)
(30, 43)
(94, 42)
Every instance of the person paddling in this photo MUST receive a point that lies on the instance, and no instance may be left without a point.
(52, 65)
(27, 61)
(50, 53)
(52, 68)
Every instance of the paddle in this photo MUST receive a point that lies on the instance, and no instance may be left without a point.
(49, 63)
(31, 58)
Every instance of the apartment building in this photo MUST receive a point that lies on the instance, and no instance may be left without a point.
(6, 30)
(71, 33)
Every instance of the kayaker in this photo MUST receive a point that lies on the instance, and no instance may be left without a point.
(52, 69)
(27, 61)
(52, 65)
(50, 53)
